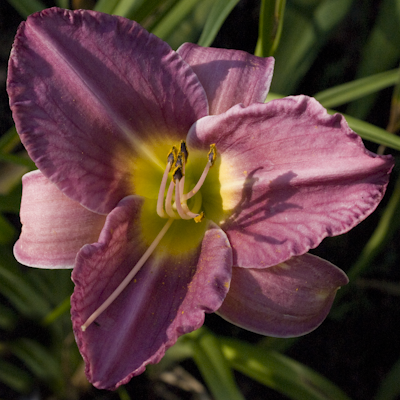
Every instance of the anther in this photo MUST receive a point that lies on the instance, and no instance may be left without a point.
(172, 155)
(179, 161)
(212, 154)
(184, 150)
(177, 174)
(199, 217)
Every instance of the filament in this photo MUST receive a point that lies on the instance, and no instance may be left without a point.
(199, 184)
(168, 201)
(183, 213)
(160, 200)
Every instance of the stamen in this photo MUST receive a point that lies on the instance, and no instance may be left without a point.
(168, 201)
(183, 214)
(212, 155)
(185, 155)
(129, 277)
(199, 218)
(171, 158)
(179, 160)
(177, 174)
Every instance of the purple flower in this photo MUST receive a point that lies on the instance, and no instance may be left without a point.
(193, 191)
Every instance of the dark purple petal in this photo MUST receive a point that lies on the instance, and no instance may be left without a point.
(290, 175)
(167, 298)
(289, 299)
(54, 227)
(90, 92)
(229, 76)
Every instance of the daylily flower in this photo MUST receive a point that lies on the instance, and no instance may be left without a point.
(186, 191)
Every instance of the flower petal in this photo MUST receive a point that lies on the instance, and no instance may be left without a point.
(229, 76)
(54, 227)
(167, 298)
(290, 175)
(89, 91)
(289, 299)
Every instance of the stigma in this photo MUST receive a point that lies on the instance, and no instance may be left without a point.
(172, 202)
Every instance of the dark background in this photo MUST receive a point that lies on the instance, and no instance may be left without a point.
(359, 343)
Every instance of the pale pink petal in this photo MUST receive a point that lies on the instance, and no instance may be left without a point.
(167, 298)
(289, 299)
(229, 77)
(290, 175)
(54, 227)
(90, 92)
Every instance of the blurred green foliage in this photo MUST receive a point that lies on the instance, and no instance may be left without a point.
(38, 355)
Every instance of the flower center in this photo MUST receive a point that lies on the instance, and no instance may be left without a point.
(175, 208)
(176, 162)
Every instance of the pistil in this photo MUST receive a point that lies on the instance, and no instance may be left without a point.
(129, 277)
(171, 159)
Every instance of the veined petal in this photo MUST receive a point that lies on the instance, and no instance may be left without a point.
(89, 92)
(289, 299)
(229, 76)
(54, 227)
(290, 175)
(167, 298)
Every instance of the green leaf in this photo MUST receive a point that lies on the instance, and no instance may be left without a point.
(356, 89)
(127, 8)
(174, 17)
(27, 7)
(61, 309)
(279, 372)
(15, 159)
(213, 366)
(218, 14)
(106, 6)
(38, 359)
(10, 202)
(19, 291)
(184, 22)
(270, 27)
(381, 51)
(390, 387)
(372, 133)
(386, 228)
(152, 12)
(394, 120)
(8, 318)
(9, 140)
(62, 3)
(306, 27)
(155, 10)
(15, 377)
(7, 231)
